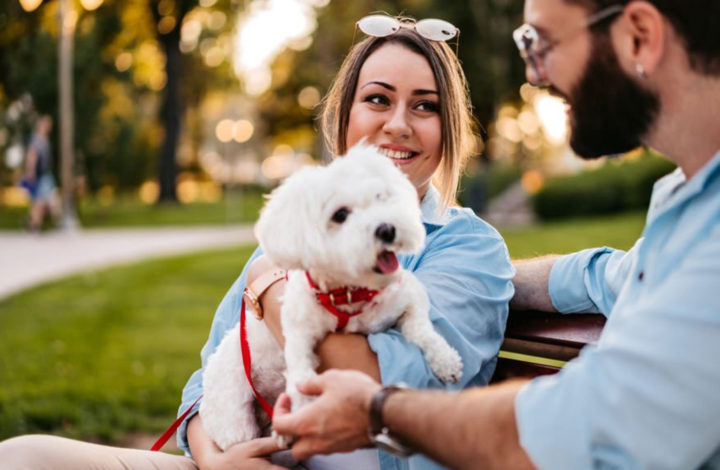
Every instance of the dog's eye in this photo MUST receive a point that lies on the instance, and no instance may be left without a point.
(340, 215)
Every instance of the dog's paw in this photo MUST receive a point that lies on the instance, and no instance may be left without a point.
(284, 442)
(446, 364)
(299, 400)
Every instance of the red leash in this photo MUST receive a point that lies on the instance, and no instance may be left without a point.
(173, 427)
(247, 361)
(245, 348)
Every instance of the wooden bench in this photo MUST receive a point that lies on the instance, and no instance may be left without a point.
(540, 343)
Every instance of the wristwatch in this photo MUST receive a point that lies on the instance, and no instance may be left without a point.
(379, 433)
(253, 292)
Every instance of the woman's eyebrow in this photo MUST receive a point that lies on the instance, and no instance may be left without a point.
(425, 92)
(392, 88)
(382, 84)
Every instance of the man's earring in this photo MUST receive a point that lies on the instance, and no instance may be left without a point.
(640, 71)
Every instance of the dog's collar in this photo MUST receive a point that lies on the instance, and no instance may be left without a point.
(341, 296)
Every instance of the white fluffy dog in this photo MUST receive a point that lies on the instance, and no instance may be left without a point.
(336, 229)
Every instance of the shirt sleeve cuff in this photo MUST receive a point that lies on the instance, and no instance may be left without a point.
(567, 288)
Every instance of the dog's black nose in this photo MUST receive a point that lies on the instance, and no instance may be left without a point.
(385, 232)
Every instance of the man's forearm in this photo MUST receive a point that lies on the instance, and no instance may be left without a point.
(472, 429)
(531, 283)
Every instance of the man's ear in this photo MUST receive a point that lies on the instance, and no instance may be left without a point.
(639, 38)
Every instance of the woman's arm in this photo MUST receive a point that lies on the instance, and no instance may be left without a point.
(226, 317)
(466, 271)
(245, 455)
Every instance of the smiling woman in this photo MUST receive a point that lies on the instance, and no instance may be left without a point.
(407, 95)
(430, 104)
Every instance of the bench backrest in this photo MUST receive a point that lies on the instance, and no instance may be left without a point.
(540, 343)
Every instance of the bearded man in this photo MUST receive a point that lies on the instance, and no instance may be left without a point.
(633, 72)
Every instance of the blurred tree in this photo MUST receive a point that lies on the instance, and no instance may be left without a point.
(136, 60)
(169, 16)
(126, 60)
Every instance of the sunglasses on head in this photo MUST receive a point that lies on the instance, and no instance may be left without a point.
(433, 29)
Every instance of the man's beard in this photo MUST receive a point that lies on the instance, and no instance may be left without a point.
(610, 112)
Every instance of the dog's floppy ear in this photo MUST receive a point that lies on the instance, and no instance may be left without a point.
(286, 218)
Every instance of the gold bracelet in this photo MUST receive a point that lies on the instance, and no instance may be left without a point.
(253, 292)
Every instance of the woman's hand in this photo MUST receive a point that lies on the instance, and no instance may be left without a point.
(337, 421)
(245, 455)
(251, 455)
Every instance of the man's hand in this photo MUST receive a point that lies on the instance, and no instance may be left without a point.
(337, 421)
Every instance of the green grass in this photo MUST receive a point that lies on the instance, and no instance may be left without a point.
(128, 211)
(102, 355)
(618, 231)
(99, 355)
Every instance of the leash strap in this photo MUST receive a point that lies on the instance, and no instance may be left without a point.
(245, 347)
(173, 427)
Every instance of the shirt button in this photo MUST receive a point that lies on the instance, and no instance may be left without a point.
(641, 275)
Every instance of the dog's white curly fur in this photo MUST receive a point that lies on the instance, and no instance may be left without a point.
(296, 232)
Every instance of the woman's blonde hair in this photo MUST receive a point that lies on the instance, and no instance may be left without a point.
(458, 125)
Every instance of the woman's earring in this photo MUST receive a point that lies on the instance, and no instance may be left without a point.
(640, 71)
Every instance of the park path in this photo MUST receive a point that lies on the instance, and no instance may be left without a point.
(30, 259)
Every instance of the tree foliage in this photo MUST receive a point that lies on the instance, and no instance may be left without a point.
(134, 90)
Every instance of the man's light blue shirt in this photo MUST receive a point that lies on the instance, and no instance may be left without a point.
(648, 395)
(466, 270)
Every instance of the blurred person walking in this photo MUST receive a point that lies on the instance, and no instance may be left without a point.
(38, 179)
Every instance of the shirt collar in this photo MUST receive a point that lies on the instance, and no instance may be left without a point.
(706, 173)
(430, 206)
(675, 188)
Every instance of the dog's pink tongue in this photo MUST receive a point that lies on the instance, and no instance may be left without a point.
(387, 262)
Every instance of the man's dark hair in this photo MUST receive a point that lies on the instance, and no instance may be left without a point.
(696, 21)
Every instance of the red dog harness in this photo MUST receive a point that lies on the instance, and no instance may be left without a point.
(341, 296)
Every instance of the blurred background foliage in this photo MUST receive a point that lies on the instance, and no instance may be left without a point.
(616, 186)
(188, 100)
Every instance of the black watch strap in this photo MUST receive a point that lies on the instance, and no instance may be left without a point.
(379, 433)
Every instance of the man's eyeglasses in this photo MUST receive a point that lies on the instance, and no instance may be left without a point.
(433, 29)
(533, 49)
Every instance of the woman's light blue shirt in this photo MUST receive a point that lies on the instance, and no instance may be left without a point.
(648, 396)
(467, 272)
